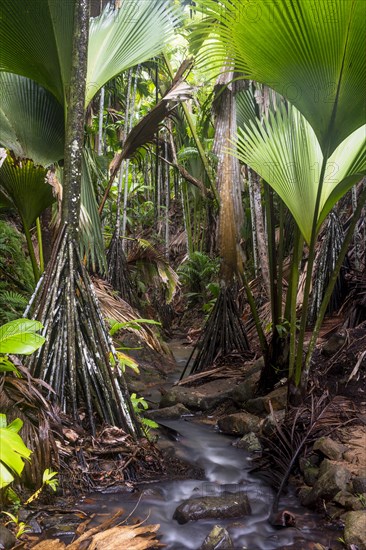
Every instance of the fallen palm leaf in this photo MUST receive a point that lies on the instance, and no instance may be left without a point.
(133, 537)
(115, 308)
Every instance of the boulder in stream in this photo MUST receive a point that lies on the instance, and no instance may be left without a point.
(217, 539)
(169, 413)
(331, 480)
(203, 397)
(239, 423)
(249, 442)
(225, 506)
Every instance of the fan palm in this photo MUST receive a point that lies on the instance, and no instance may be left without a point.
(285, 45)
(34, 107)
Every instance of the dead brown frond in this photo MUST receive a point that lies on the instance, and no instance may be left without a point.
(302, 425)
(108, 535)
(114, 307)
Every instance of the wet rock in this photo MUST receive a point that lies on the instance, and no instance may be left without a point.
(171, 413)
(239, 423)
(225, 506)
(303, 493)
(308, 461)
(203, 397)
(328, 484)
(355, 529)
(249, 442)
(329, 448)
(359, 485)
(246, 390)
(269, 423)
(348, 501)
(255, 406)
(217, 539)
(311, 474)
(7, 539)
(278, 399)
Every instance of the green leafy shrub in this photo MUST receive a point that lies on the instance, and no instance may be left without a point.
(199, 275)
(18, 336)
(13, 452)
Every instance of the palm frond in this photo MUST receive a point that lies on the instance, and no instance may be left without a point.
(91, 236)
(36, 42)
(125, 37)
(22, 398)
(308, 53)
(301, 426)
(31, 120)
(24, 184)
(114, 307)
(286, 153)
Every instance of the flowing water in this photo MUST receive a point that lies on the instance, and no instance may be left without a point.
(226, 470)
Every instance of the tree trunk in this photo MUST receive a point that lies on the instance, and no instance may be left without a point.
(76, 358)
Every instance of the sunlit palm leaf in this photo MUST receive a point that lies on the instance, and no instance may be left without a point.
(245, 108)
(91, 237)
(122, 38)
(308, 52)
(23, 183)
(286, 153)
(31, 120)
(36, 41)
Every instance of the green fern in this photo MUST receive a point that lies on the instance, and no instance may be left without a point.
(16, 279)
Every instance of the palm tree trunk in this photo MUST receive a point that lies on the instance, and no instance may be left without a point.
(76, 358)
(254, 182)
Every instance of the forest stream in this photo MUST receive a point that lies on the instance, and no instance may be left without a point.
(226, 470)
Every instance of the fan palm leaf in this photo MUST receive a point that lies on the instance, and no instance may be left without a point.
(123, 38)
(118, 39)
(23, 183)
(31, 120)
(36, 40)
(285, 151)
(308, 52)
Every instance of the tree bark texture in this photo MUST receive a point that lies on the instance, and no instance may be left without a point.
(231, 215)
(74, 138)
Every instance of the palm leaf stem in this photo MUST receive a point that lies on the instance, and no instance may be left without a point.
(253, 308)
(271, 240)
(280, 257)
(309, 274)
(40, 245)
(333, 278)
(291, 296)
(32, 255)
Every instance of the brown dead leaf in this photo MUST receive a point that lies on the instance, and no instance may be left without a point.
(127, 536)
(50, 544)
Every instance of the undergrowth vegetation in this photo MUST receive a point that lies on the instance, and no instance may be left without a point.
(16, 279)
